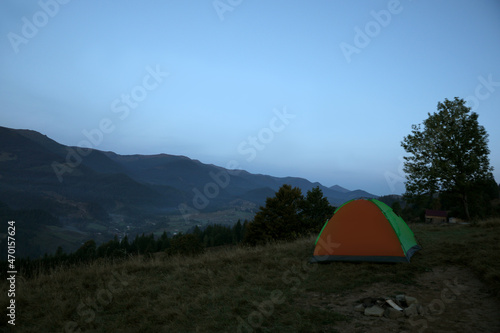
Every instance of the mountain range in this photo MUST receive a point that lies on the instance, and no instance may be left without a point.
(81, 185)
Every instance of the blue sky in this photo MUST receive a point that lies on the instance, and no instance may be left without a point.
(324, 90)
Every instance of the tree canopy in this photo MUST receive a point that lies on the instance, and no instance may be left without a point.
(448, 153)
(288, 214)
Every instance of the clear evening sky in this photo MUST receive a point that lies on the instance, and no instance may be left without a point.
(324, 90)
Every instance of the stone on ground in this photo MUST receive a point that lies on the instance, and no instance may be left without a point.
(375, 311)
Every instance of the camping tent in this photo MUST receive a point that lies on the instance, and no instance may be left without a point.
(365, 230)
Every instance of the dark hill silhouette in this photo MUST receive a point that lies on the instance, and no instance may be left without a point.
(143, 183)
(91, 194)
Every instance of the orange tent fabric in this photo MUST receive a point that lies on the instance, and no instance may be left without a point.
(365, 230)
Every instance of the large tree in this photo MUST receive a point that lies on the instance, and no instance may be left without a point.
(316, 210)
(447, 153)
(288, 215)
(279, 219)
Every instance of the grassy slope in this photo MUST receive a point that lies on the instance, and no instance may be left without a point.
(232, 288)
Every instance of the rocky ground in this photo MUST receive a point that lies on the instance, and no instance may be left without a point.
(448, 299)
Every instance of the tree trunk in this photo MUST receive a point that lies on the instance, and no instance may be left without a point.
(466, 206)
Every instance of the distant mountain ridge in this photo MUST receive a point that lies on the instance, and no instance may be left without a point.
(164, 180)
(339, 189)
(95, 194)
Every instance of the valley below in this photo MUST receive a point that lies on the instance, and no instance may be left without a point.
(63, 196)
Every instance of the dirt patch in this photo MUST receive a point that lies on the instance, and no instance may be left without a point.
(454, 299)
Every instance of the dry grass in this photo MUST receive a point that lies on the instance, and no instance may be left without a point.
(234, 288)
